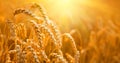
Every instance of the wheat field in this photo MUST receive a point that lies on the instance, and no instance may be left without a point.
(37, 39)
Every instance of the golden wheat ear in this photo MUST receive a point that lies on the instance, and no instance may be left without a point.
(27, 12)
(12, 27)
(78, 38)
(41, 9)
(34, 54)
(70, 40)
(21, 31)
(57, 58)
(47, 22)
(39, 36)
(38, 32)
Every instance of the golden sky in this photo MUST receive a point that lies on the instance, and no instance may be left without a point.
(65, 9)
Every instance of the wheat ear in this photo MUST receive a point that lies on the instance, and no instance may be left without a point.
(34, 54)
(27, 12)
(48, 22)
(38, 32)
(77, 53)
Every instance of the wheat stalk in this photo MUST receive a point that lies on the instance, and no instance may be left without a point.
(38, 33)
(34, 54)
(76, 52)
(70, 58)
(50, 24)
(57, 58)
(12, 28)
(27, 12)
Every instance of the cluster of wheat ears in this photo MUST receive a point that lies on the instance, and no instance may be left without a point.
(39, 40)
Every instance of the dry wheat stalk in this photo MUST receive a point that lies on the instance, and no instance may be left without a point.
(56, 33)
(67, 35)
(42, 11)
(21, 31)
(76, 52)
(27, 12)
(55, 58)
(70, 58)
(34, 54)
(44, 56)
(54, 43)
(48, 23)
(32, 43)
(12, 28)
(47, 31)
(41, 52)
(38, 33)
(18, 52)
